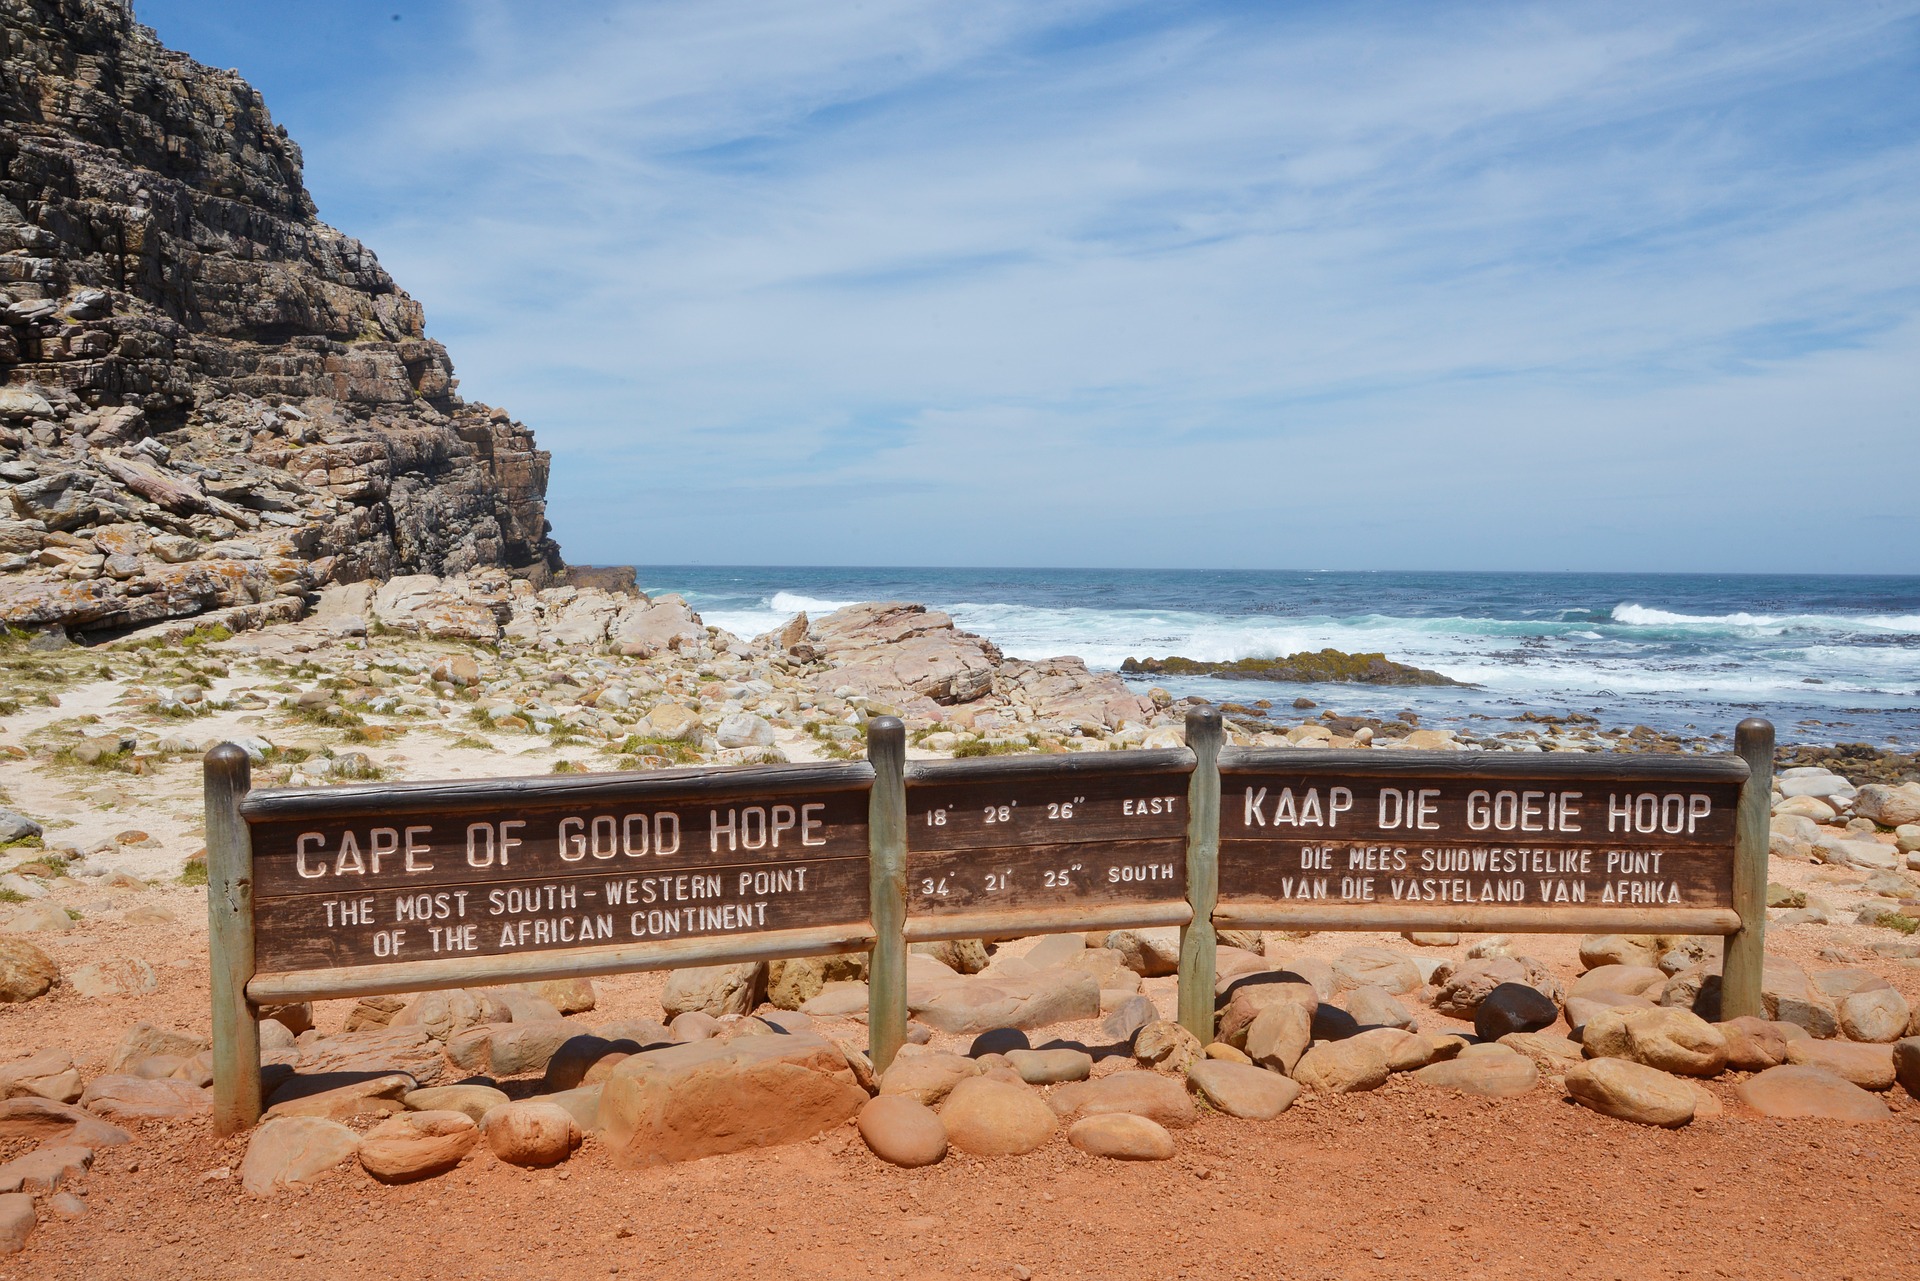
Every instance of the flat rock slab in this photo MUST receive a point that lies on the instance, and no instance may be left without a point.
(1240, 1089)
(294, 1149)
(968, 1006)
(17, 1222)
(1162, 1099)
(1121, 1136)
(45, 1170)
(473, 1100)
(1629, 1091)
(1490, 1076)
(372, 1095)
(1796, 1090)
(417, 1145)
(135, 1098)
(1868, 1066)
(705, 1098)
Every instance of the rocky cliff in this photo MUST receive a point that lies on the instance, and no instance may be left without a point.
(209, 399)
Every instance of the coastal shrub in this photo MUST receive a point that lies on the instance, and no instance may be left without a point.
(999, 747)
(1895, 921)
(194, 873)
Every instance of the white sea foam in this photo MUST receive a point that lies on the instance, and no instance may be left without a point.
(1633, 615)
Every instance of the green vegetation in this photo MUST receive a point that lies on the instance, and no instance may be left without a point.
(194, 874)
(477, 744)
(1329, 666)
(24, 843)
(1896, 921)
(324, 717)
(1003, 747)
(12, 896)
(637, 745)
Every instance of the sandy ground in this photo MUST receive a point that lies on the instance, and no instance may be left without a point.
(1402, 1181)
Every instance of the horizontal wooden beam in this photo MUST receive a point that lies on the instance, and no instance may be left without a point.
(1650, 767)
(289, 986)
(1067, 918)
(1012, 769)
(1247, 915)
(699, 783)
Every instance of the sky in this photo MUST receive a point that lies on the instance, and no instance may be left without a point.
(1352, 285)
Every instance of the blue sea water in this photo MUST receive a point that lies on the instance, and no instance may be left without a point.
(1826, 658)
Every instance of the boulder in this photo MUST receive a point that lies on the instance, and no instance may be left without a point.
(1549, 1053)
(1513, 1007)
(1906, 1064)
(135, 1098)
(25, 971)
(369, 1096)
(837, 1000)
(294, 1149)
(927, 1079)
(1627, 980)
(417, 1145)
(704, 1098)
(1278, 1036)
(1050, 1067)
(982, 1002)
(1150, 953)
(46, 1169)
(1149, 1094)
(1242, 1090)
(902, 1131)
(1868, 1066)
(1127, 1018)
(1464, 986)
(531, 1132)
(1671, 1040)
(48, 1074)
(1799, 1090)
(1165, 1046)
(1342, 1067)
(1121, 1136)
(1249, 997)
(145, 1040)
(1888, 805)
(1375, 1007)
(1491, 1076)
(1631, 1091)
(1878, 1014)
(717, 990)
(470, 1100)
(17, 1222)
(511, 1049)
(1753, 1044)
(998, 1118)
(1379, 967)
(961, 956)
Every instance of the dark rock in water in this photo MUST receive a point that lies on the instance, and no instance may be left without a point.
(1329, 666)
(229, 401)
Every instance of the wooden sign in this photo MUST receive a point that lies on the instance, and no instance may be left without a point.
(1012, 834)
(390, 874)
(1405, 836)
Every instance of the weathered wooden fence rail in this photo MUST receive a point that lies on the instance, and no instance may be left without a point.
(357, 891)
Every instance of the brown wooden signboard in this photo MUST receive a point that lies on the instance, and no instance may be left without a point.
(1025, 834)
(380, 875)
(1384, 837)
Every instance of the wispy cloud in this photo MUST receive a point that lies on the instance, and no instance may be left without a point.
(1488, 285)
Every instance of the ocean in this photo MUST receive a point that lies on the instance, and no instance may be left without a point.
(1827, 658)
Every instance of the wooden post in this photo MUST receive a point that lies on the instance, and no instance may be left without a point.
(236, 1026)
(1743, 955)
(1197, 939)
(887, 854)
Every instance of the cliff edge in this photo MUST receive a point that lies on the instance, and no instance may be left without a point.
(210, 399)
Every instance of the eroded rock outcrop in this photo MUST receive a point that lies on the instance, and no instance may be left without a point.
(209, 399)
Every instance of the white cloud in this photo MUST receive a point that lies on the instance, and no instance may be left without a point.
(1448, 286)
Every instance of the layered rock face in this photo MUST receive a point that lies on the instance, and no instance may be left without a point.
(208, 397)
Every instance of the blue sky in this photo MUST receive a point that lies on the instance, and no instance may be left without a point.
(1340, 285)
